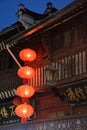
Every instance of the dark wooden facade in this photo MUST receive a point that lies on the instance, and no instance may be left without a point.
(59, 39)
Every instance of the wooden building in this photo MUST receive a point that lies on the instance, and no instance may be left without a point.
(59, 38)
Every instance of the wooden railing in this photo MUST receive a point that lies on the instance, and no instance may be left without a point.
(70, 67)
(67, 67)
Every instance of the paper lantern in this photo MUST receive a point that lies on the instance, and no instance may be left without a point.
(25, 91)
(27, 55)
(24, 110)
(26, 72)
(17, 101)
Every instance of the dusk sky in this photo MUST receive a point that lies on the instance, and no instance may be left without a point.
(8, 9)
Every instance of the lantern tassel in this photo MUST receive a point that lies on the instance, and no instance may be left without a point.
(23, 120)
(25, 100)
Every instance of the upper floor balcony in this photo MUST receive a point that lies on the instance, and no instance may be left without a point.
(69, 65)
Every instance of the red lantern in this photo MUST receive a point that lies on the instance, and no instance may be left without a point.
(25, 91)
(24, 110)
(17, 101)
(27, 55)
(26, 72)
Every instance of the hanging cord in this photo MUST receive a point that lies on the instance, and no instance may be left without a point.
(14, 58)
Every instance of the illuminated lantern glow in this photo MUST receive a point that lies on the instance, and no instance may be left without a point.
(26, 72)
(24, 110)
(27, 55)
(25, 91)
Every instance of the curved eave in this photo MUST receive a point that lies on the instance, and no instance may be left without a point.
(74, 8)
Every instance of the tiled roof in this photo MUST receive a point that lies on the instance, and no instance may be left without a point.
(33, 14)
(10, 31)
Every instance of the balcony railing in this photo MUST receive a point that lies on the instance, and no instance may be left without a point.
(67, 67)
(70, 67)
